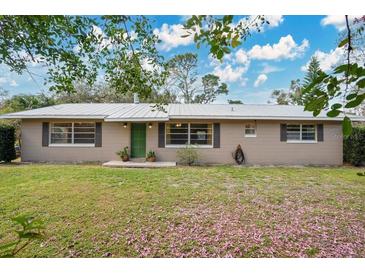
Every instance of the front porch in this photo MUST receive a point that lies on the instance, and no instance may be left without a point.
(133, 164)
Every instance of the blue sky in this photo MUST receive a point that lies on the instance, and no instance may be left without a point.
(268, 60)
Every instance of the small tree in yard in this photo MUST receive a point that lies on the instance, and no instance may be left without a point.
(7, 142)
(187, 156)
(354, 147)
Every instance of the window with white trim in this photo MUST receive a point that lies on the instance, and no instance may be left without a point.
(181, 134)
(177, 134)
(250, 130)
(300, 133)
(201, 134)
(75, 133)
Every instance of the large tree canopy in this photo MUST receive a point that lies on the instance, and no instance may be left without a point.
(183, 81)
(120, 49)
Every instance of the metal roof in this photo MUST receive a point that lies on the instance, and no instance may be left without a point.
(110, 112)
(148, 112)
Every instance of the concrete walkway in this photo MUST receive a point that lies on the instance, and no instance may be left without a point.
(139, 164)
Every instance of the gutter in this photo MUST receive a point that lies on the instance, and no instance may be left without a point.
(177, 117)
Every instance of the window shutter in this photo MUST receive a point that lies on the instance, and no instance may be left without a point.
(283, 133)
(216, 135)
(320, 132)
(98, 135)
(161, 134)
(45, 134)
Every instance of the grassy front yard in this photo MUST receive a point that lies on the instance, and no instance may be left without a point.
(92, 211)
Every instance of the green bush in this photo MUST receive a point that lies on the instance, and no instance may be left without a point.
(187, 156)
(354, 147)
(7, 143)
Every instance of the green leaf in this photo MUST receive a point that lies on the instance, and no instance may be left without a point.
(333, 113)
(220, 54)
(361, 83)
(214, 48)
(340, 69)
(346, 126)
(336, 106)
(351, 96)
(316, 112)
(343, 42)
(358, 100)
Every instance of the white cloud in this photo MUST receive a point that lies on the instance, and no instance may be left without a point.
(228, 73)
(170, 36)
(13, 83)
(3, 80)
(327, 60)
(267, 68)
(338, 21)
(286, 48)
(232, 68)
(242, 57)
(260, 80)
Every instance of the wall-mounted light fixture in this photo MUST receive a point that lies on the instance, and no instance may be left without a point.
(149, 125)
(125, 125)
(178, 125)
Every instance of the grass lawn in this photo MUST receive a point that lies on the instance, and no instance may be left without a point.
(92, 211)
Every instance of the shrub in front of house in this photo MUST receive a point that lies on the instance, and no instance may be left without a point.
(7, 143)
(187, 156)
(354, 147)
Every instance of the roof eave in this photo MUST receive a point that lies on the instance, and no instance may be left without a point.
(211, 117)
(51, 117)
(152, 119)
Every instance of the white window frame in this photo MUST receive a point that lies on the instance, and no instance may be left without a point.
(50, 144)
(255, 128)
(300, 135)
(188, 144)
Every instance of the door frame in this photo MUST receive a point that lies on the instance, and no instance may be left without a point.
(145, 139)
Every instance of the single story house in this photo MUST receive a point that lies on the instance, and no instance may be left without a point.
(268, 134)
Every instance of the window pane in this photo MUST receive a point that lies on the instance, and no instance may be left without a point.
(177, 134)
(61, 133)
(308, 133)
(201, 134)
(84, 133)
(293, 132)
(84, 141)
(250, 129)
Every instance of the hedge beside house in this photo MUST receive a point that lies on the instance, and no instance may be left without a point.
(354, 147)
(7, 143)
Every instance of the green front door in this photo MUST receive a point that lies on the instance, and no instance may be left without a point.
(138, 140)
